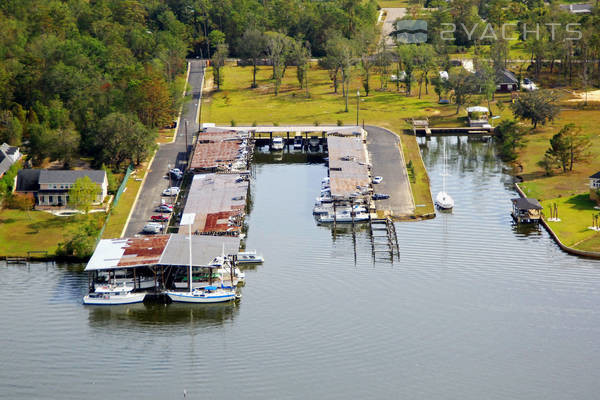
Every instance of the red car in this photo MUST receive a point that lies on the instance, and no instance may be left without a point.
(159, 218)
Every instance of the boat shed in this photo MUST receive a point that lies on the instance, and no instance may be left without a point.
(349, 173)
(221, 150)
(219, 202)
(526, 210)
(160, 250)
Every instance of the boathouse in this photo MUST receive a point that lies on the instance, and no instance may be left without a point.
(526, 210)
(478, 117)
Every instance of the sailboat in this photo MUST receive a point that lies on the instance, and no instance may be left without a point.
(443, 200)
(206, 294)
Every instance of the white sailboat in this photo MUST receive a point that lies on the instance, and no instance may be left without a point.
(207, 294)
(443, 200)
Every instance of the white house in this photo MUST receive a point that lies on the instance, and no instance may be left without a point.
(8, 156)
(51, 187)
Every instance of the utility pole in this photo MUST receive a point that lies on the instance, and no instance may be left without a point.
(186, 137)
(357, 105)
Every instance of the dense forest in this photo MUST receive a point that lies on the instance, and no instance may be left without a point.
(97, 78)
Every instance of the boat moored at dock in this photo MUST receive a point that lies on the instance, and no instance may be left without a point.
(113, 295)
(208, 294)
(249, 257)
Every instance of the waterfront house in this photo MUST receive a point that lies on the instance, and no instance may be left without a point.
(8, 156)
(506, 81)
(526, 210)
(50, 187)
(595, 187)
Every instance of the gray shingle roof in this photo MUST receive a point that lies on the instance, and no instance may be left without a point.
(27, 180)
(70, 176)
(525, 203)
(505, 76)
(596, 175)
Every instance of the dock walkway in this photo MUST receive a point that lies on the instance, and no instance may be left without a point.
(388, 161)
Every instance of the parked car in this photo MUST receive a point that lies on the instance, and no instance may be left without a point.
(176, 175)
(528, 85)
(172, 191)
(152, 228)
(377, 179)
(165, 208)
(380, 196)
(159, 218)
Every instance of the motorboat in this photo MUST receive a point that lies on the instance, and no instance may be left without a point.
(208, 294)
(249, 257)
(443, 200)
(324, 199)
(108, 295)
(320, 208)
(344, 217)
(218, 273)
(298, 142)
(277, 143)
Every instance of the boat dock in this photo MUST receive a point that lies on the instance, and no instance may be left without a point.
(349, 173)
(221, 150)
(218, 201)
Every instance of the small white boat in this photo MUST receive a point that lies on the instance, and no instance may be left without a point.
(343, 217)
(249, 257)
(208, 294)
(113, 295)
(298, 142)
(314, 141)
(324, 199)
(443, 200)
(322, 208)
(277, 143)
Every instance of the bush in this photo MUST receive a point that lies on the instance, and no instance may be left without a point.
(21, 201)
(316, 123)
(340, 122)
(232, 122)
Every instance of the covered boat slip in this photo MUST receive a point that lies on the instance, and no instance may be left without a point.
(218, 202)
(160, 250)
(155, 260)
(349, 174)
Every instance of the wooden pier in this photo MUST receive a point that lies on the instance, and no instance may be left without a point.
(384, 241)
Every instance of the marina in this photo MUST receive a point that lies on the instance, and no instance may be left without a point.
(470, 315)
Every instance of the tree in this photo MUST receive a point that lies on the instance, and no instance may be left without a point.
(487, 82)
(568, 147)
(366, 40)
(277, 46)
(65, 143)
(463, 85)
(538, 106)
(300, 56)
(407, 56)
(11, 129)
(511, 137)
(122, 137)
(252, 46)
(82, 242)
(218, 62)
(83, 194)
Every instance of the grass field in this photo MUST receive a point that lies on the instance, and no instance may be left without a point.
(419, 184)
(576, 214)
(22, 231)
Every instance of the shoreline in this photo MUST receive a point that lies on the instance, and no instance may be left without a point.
(563, 247)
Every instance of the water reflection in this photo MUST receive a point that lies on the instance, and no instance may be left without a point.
(171, 316)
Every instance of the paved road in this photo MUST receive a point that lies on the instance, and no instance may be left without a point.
(388, 161)
(171, 153)
(388, 24)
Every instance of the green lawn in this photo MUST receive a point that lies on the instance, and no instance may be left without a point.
(576, 214)
(120, 212)
(22, 231)
(420, 182)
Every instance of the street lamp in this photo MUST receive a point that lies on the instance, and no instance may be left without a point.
(357, 105)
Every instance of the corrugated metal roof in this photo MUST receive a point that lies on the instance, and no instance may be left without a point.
(216, 199)
(160, 250)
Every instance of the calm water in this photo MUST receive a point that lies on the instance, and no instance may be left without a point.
(474, 309)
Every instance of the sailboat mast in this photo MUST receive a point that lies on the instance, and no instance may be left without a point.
(190, 272)
(444, 171)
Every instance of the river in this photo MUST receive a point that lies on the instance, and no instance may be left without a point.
(475, 308)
